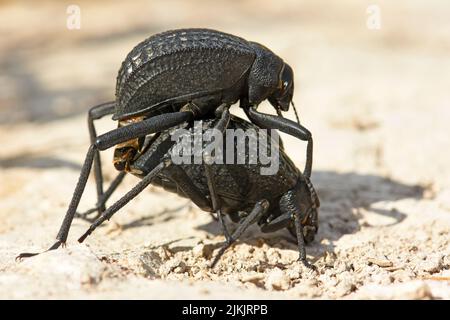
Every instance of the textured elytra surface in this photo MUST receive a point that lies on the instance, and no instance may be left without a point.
(180, 63)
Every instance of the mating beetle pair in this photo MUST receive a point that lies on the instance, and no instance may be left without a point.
(285, 199)
(179, 76)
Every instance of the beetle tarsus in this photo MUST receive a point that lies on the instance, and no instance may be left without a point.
(55, 246)
(23, 255)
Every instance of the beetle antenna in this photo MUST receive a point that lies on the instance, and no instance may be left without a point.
(295, 110)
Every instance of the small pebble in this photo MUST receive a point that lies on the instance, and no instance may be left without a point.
(431, 264)
(384, 263)
(277, 280)
(252, 277)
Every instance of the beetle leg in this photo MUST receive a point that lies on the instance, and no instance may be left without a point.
(290, 127)
(289, 206)
(182, 180)
(96, 113)
(257, 212)
(278, 223)
(174, 172)
(102, 199)
(301, 240)
(64, 229)
(223, 225)
(108, 213)
(223, 115)
(103, 142)
(299, 217)
(216, 201)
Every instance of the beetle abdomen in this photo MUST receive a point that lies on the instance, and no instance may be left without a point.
(180, 64)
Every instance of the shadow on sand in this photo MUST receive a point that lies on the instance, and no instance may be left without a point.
(26, 160)
(341, 195)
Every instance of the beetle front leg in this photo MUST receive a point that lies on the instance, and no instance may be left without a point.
(268, 121)
(103, 142)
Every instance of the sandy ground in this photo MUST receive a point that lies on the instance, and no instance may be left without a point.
(377, 103)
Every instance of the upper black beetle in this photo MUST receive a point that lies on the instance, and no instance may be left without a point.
(202, 67)
(180, 75)
(198, 70)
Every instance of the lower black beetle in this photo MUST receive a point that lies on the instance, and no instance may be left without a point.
(285, 199)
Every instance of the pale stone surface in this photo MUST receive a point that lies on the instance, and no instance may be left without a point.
(410, 290)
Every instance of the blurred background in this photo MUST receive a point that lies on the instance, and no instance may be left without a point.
(372, 84)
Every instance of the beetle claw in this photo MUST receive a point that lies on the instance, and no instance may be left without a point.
(55, 246)
(24, 255)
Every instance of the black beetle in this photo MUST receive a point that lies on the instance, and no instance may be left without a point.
(285, 199)
(204, 71)
(202, 67)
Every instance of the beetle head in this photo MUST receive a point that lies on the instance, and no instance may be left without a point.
(282, 97)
